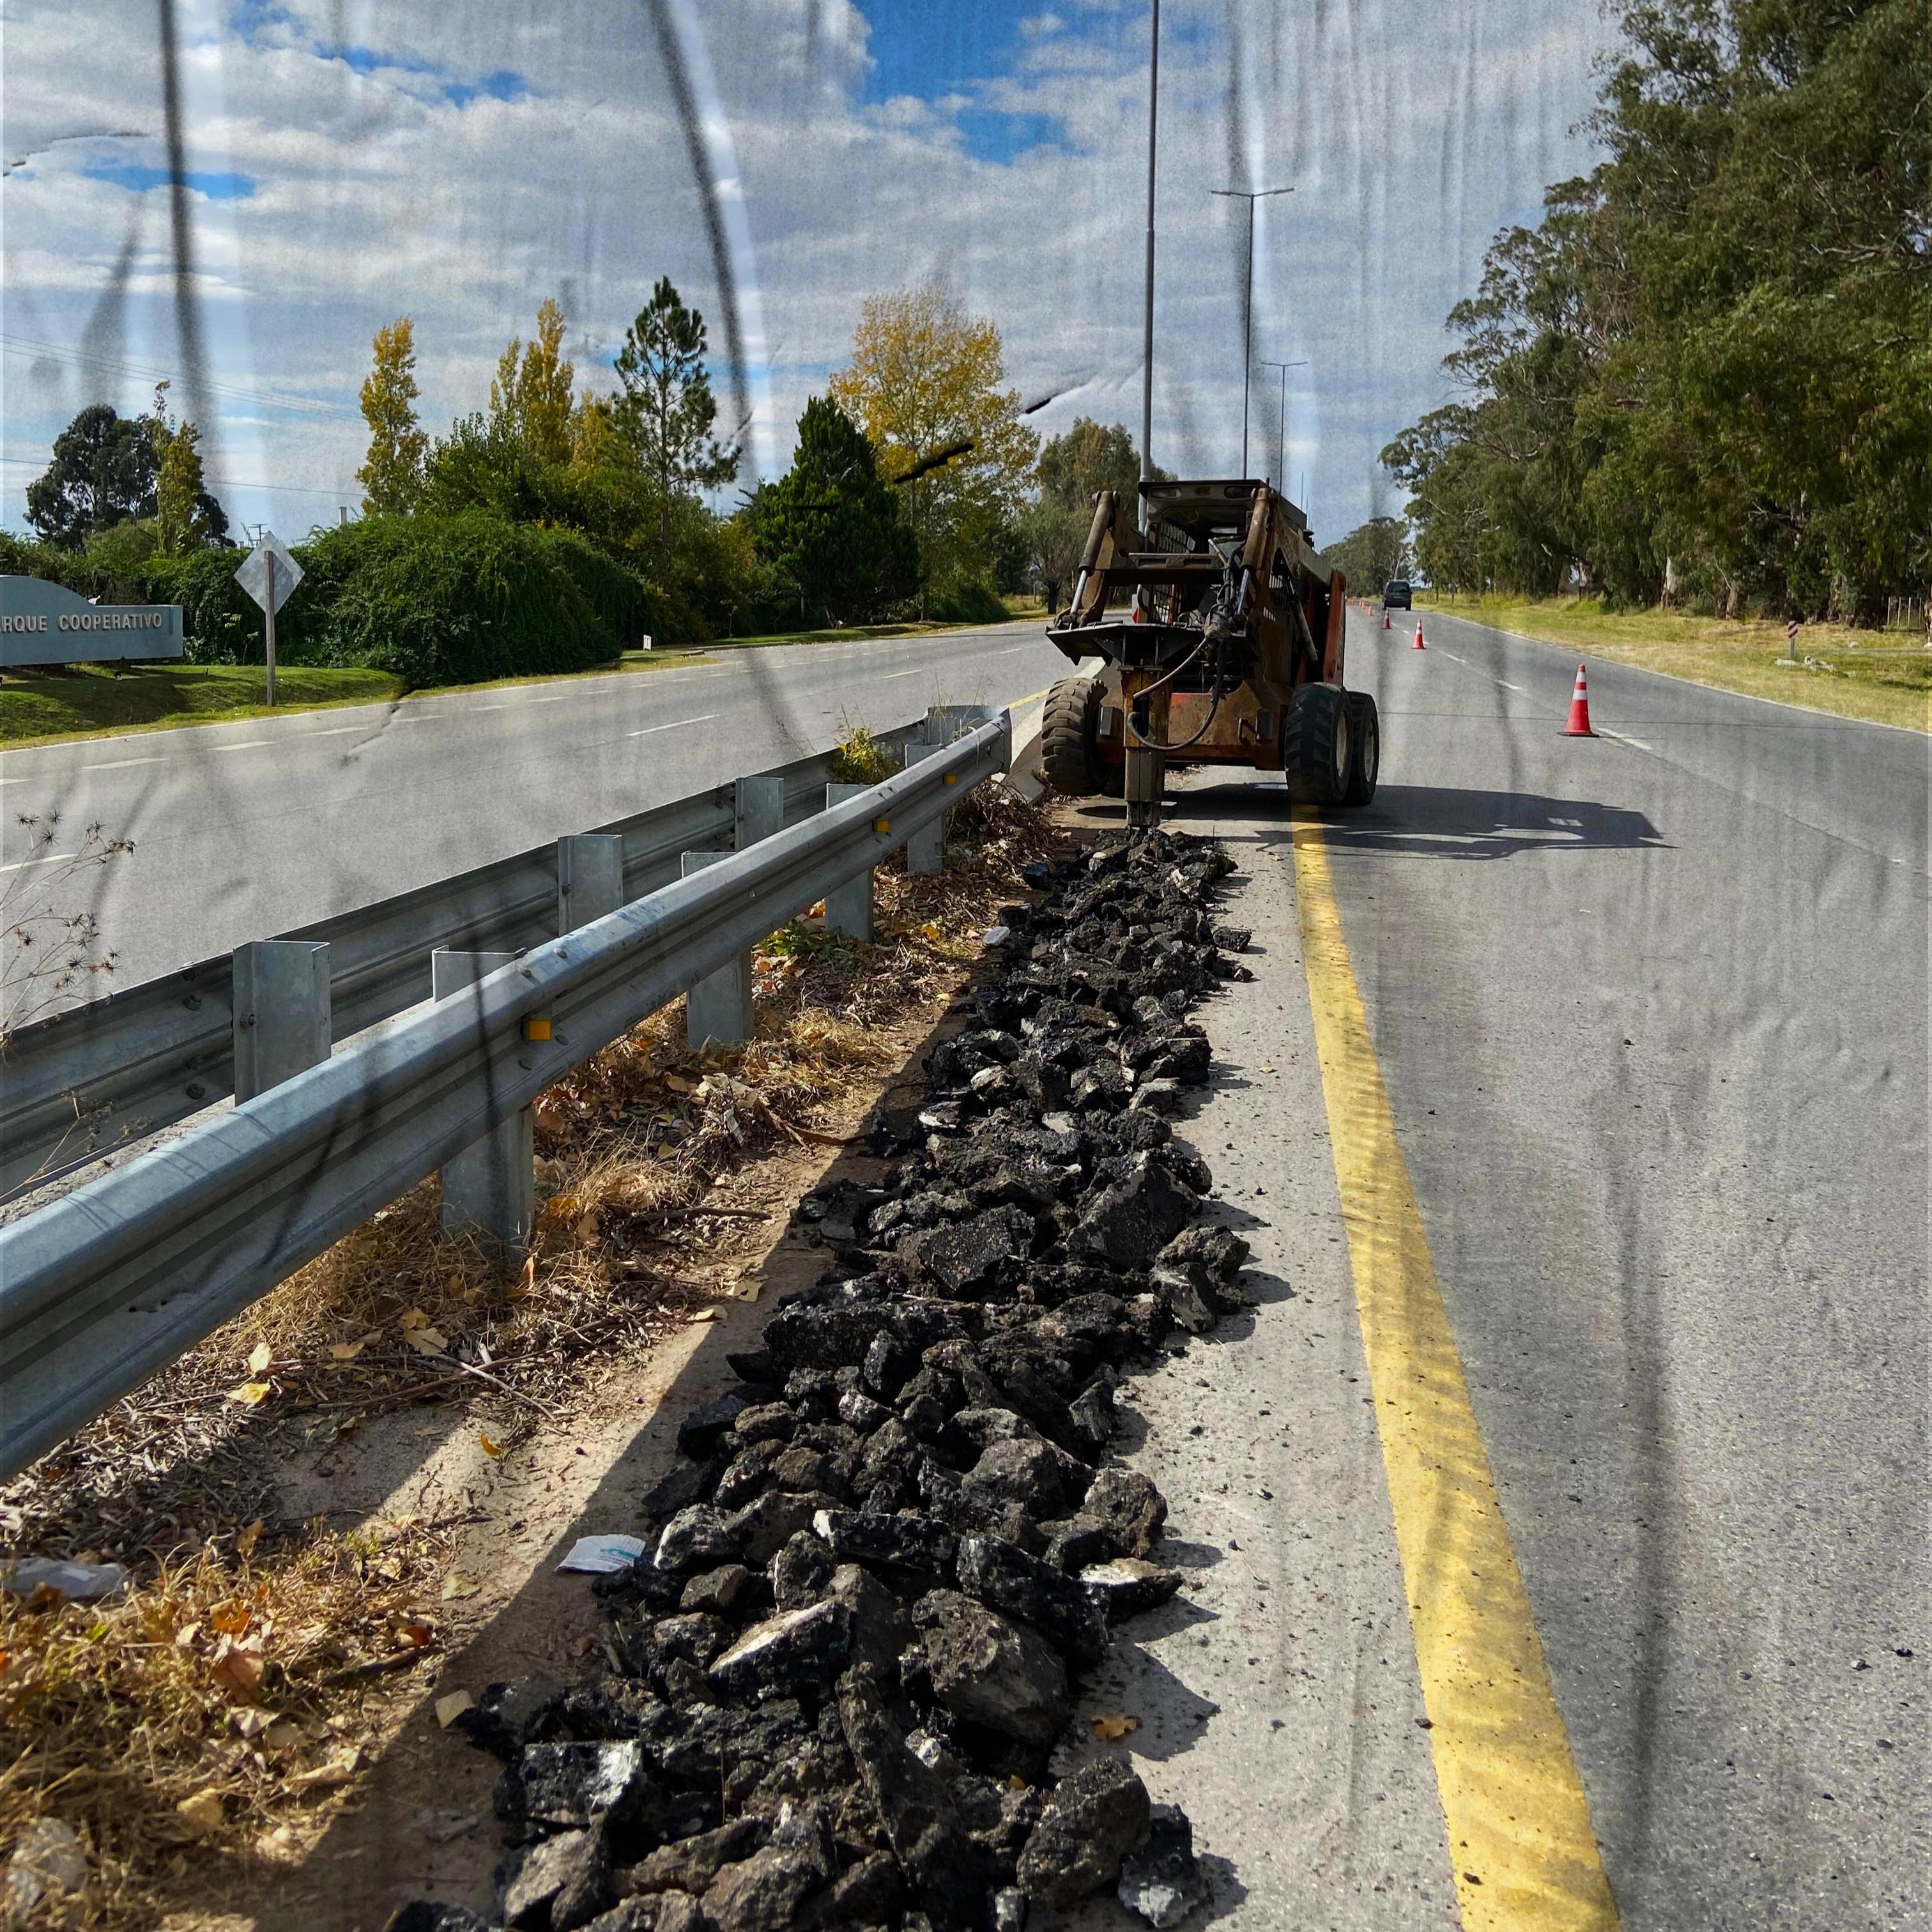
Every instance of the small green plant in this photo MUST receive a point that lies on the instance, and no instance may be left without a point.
(860, 757)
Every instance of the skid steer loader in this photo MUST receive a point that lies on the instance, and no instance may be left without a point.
(1226, 647)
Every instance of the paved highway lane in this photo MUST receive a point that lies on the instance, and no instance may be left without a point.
(246, 830)
(1650, 1014)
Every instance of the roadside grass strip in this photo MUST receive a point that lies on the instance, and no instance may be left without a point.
(1523, 1850)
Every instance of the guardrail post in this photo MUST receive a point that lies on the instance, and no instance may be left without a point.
(925, 851)
(719, 1006)
(848, 908)
(761, 810)
(489, 1189)
(283, 1021)
(590, 878)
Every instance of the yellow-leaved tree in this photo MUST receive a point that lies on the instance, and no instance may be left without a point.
(530, 398)
(391, 476)
(925, 385)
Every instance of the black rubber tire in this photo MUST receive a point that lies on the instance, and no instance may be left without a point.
(1365, 749)
(1315, 756)
(1069, 741)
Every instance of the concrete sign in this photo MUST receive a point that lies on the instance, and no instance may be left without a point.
(42, 622)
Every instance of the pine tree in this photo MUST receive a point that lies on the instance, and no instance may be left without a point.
(666, 410)
(392, 475)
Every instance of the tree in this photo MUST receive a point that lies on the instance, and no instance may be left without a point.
(391, 475)
(1711, 362)
(1373, 554)
(666, 410)
(925, 386)
(831, 526)
(1077, 465)
(103, 470)
(186, 516)
(529, 398)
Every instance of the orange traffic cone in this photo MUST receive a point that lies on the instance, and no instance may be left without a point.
(1418, 645)
(1385, 620)
(1578, 726)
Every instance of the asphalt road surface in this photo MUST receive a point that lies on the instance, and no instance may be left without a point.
(1625, 1166)
(245, 830)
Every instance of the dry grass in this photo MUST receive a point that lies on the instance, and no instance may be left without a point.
(205, 1711)
(111, 1717)
(1862, 674)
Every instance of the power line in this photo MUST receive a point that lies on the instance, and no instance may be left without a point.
(116, 365)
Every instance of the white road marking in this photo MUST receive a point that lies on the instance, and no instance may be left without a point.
(112, 765)
(246, 745)
(562, 697)
(487, 707)
(1507, 686)
(1635, 744)
(21, 865)
(708, 718)
(917, 671)
(343, 730)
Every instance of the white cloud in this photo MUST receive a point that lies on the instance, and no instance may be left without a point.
(384, 183)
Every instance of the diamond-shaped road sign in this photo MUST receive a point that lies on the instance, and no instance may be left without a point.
(253, 574)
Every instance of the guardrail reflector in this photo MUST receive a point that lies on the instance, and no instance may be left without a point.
(536, 1029)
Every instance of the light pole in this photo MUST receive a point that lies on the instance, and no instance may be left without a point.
(1250, 196)
(1147, 305)
(1281, 421)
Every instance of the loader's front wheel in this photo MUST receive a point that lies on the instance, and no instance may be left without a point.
(1315, 756)
(1069, 741)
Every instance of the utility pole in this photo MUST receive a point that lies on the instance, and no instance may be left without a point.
(1147, 304)
(1250, 196)
(1281, 421)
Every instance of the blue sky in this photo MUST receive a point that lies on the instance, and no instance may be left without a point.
(932, 49)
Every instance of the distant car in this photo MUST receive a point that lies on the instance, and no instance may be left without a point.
(1395, 596)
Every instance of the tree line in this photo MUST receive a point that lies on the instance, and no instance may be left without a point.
(915, 489)
(1706, 375)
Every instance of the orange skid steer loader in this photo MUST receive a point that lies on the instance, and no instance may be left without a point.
(1226, 648)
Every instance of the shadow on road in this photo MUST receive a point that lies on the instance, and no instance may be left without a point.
(1442, 822)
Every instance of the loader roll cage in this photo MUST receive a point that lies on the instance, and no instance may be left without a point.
(1226, 586)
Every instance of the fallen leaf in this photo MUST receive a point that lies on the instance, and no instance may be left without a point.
(494, 1451)
(454, 1587)
(1266, 1068)
(584, 1644)
(707, 1315)
(201, 1813)
(283, 1736)
(449, 1709)
(678, 1084)
(245, 1540)
(279, 1843)
(237, 1665)
(347, 1352)
(561, 1206)
(230, 1619)
(586, 1229)
(259, 1357)
(248, 1723)
(415, 1635)
(252, 1395)
(185, 1637)
(1108, 1728)
(425, 1341)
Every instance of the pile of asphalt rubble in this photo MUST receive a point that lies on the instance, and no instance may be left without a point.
(883, 1561)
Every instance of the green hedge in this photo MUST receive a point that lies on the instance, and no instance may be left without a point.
(443, 601)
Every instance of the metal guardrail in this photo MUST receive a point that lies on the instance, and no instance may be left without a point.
(101, 1287)
(103, 1076)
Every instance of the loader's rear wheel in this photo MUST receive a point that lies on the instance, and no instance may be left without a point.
(1315, 740)
(1365, 733)
(1069, 741)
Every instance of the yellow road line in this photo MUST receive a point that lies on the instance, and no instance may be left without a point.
(1524, 1852)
